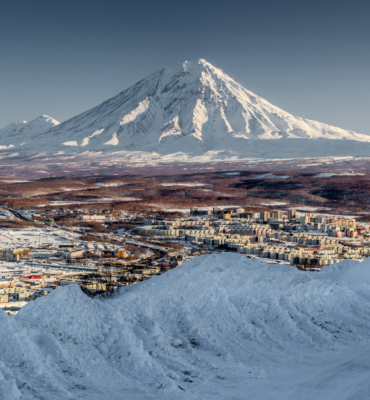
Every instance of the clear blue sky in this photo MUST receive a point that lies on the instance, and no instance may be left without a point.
(311, 58)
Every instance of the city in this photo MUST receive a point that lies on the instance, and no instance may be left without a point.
(36, 260)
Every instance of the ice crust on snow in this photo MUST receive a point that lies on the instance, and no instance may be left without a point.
(219, 326)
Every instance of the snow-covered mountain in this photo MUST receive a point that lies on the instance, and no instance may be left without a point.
(194, 108)
(217, 327)
(20, 133)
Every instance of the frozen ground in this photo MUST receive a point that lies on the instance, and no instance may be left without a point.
(218, 327)
(214, 191)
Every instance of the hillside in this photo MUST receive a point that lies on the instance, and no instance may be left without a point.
(18, 134)
(193, 109)
(217, 327)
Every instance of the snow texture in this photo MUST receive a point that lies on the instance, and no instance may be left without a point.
(217, 327)
(20, 133)
(273, 176)
(330, 174)
(194, 109)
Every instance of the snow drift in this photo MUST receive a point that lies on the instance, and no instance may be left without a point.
(193, 109)
(217, 327)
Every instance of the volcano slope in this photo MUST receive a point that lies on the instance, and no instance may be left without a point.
(191, 113)
(217, 327)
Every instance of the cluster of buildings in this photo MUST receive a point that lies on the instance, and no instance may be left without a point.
(310, 241)
(21, 284)
(34, 261)
(50, 251)
(53, 215)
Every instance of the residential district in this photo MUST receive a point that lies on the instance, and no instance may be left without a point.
(34, 260)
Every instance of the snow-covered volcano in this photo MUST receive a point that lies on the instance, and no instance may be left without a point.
(194, 108)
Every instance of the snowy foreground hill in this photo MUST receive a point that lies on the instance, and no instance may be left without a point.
(217, 327)
(193, 109)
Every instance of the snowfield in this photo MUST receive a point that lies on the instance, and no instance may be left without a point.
(217, 327)
(329, 175)
(273, 176)
(190, 184)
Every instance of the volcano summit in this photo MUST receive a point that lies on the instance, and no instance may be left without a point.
(195, 110)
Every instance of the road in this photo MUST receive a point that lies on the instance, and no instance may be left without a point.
(115, 238)
(18, 215)
(81, 268)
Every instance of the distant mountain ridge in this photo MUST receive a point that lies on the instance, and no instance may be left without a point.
(20, 133)
(194, 108)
